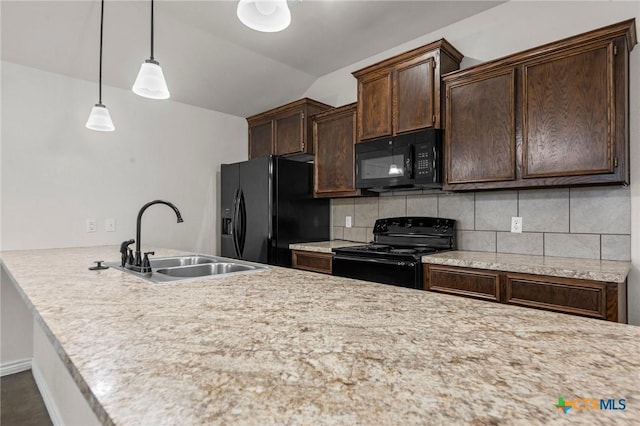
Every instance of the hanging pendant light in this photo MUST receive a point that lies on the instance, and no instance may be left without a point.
(268, 16)
(99, 118)
(150, 82)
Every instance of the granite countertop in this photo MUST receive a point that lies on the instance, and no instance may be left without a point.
(324, 246)
(584, 269)
(285, 346)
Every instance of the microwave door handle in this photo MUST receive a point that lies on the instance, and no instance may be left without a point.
(436, 169)
(409, 161)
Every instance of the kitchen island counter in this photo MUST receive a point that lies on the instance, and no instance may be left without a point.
(288, 346)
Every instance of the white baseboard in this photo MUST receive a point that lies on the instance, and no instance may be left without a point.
(16, 366)
(47, 396)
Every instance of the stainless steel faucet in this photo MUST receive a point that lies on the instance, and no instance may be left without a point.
(137, 262)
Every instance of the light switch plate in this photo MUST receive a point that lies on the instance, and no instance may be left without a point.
(347, 222)
(516, 224)
(110, 225)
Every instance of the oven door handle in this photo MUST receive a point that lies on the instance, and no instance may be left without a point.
(371, 260)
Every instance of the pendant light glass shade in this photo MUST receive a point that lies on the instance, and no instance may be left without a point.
(100, 119)
(268, 16)
(150, 82)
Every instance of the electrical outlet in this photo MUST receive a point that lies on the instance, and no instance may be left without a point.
(90, 225)
(110, 225)
(516, 224)
(347, 222)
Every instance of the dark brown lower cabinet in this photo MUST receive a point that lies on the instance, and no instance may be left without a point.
(478, 283)
(595, 299)
(311, 261)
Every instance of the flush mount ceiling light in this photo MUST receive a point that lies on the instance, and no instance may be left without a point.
(99, 118)
(150, 82)
(268, 16)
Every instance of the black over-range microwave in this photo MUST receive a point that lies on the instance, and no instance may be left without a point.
(412, 160)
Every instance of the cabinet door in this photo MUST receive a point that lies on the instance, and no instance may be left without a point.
(566, 295)
(261, 140)
(480, 140)
(568, 110)
(477, 283)
(311, 261)
(374, 106)
(289, 133)
(334, 137)
(414, 95)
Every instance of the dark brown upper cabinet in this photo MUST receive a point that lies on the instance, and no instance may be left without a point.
(480, 117)
(402, 93)
(334, 138)
(260, 139)
(555, 115)
(285, 130)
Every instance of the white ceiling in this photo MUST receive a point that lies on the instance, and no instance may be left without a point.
(210, 59)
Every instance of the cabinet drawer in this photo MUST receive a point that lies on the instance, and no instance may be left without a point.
(311, 261)
(582, 297)
(466, 282)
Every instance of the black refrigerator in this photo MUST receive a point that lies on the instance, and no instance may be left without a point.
(267, 203)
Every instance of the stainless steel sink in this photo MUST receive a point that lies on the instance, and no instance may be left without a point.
(205, 270)
(180, 268)
(169, 262)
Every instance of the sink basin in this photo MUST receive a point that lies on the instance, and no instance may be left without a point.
(205, 270)
(180, 268)
(169, 262)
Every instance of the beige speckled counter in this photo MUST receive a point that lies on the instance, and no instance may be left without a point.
(324, 246)
(584, 269)
(285, 346)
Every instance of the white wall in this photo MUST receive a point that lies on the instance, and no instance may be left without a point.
(56, 173)
(510, 28)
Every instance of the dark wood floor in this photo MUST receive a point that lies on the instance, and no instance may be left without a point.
(21, 403)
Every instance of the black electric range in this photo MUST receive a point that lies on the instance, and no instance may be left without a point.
(394, 256)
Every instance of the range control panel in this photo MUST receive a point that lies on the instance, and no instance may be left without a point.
(415, 225)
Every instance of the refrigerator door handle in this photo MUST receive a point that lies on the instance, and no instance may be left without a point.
(234, 225)
(243, 223)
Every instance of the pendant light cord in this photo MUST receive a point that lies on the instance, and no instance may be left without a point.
(100, 71)
(151, 30)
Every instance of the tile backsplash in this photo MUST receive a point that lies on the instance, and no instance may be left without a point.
(592, 223)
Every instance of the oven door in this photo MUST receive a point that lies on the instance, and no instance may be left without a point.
(383, 163)
(395, 272)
